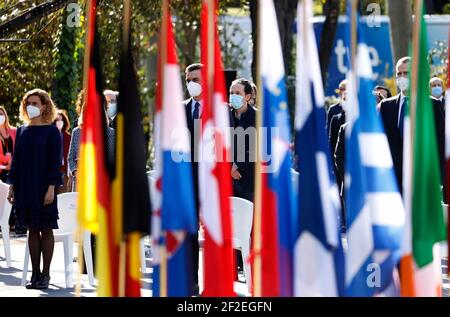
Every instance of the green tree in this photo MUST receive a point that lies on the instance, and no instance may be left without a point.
(68, 63)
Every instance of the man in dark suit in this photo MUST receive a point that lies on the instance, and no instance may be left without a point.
(392, 112)
(193, 108)
(437, 98)
(336, 108)
(111, 106)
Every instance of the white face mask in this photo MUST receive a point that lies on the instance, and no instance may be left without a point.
(2, 119)
(402, 83)
(112, 110)
(60, 124)
(194, 89)
(33, 112)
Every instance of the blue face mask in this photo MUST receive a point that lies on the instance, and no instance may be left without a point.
(236, 101)
(436, 91)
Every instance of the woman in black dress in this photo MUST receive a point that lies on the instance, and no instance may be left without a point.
(34, 174)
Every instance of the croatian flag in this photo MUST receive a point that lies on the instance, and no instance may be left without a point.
(174, 215)
(375, 210)
(278, 213)
(318, 254)
(214, 167)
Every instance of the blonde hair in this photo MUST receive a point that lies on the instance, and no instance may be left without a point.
(7, 125)
(48, 113)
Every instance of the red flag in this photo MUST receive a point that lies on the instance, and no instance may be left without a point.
(214, 169)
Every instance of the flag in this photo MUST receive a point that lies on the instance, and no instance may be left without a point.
(176, 214)
(318, 253)
(375, 211)
(214, 167)
(420, 264)
(277, 192)
(130, 194)
(95, 169)
(447, 140)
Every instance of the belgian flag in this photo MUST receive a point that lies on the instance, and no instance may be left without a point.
(131, 199)
(95, 168)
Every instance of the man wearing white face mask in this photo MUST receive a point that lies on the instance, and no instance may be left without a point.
(392, 112)
(438, 101)
(193, 108)
(111, 106)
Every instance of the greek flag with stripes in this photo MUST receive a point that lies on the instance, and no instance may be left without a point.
(375, 211)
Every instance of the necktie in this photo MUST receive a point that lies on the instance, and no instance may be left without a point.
(196, 114)
(402, 115)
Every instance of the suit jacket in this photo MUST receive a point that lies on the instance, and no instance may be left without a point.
(188, 104)
(389, 111)
(339, 158)
(439, 119)
(332, 111)
(335, 125)
(244, 187)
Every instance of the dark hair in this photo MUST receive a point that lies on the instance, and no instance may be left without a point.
(244, 82)
(192, 67)
(65, 119)
(389, 95)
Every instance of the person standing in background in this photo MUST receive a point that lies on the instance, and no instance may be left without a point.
(34, 176)
(63, 124)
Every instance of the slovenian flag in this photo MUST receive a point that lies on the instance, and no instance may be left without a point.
(277, 213)
(174, 215)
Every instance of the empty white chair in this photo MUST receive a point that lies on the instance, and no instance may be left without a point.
(67, 223)
(5, 211)
(242, 213)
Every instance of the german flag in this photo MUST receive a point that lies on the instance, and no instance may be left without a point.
(94, 175)
(131, 201)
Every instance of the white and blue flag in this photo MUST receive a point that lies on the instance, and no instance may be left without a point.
(318, 254)
(374, 207)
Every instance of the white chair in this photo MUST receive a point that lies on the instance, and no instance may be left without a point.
(242, 211)
(242, 214)
(67, 223)
(5, 211)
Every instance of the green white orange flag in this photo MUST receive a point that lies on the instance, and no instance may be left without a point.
(94, 168)
(420, 266)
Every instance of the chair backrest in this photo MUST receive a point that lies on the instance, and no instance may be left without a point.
(67, 208)
(242, 211)
(5, 206)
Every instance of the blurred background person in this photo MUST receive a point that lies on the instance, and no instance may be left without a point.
(63, 124)
(381, 93)
(111, 106)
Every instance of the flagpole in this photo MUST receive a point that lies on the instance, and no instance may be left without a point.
(414, 73)
(86, 63)
(85, 80)
(163, 60)
(257, 265)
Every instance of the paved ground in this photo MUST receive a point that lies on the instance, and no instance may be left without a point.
(10, 278)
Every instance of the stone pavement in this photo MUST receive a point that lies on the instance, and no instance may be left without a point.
(10, 278)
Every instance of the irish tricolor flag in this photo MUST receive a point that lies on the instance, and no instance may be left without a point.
(420, 266)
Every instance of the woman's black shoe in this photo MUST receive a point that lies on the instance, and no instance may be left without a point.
(33, 282)
(43, 282)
